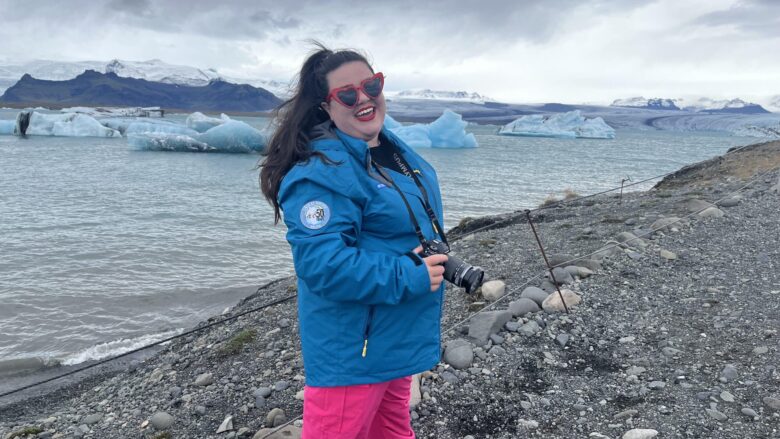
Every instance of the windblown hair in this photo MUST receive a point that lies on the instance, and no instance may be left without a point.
(296, 117)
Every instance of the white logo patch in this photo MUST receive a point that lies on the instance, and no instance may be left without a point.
(315, 214)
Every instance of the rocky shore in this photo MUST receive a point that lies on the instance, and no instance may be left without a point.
(674, 298)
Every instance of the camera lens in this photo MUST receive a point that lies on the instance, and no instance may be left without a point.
(462, 274)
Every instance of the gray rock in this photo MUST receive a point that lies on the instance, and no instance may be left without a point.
(265, 392)
(161, 421)
(486, 323)
(631, 240)
(512, 326)
(200, 410)
(497, 350)
(729, 373)
(493, 290)
(749, 412)
(611, 249)
(726, 396)
(536, 294)
(204, 379)
(760, 350)
(656, 385)
(448, 377)
(626, 414)
(711, 212)
(530, 328)
(496, 339)
(634, 255)
(635, 370)
(281, 385)
(730, 202)
(175, 392)
(562, 277)
(288, 432)
(666, 254)
(92, 419)
(716, 415)
(548, 286)
(663, 224)
(226, 425)
(259, 401)
(557, 259)
(640, 433)
(524, 306)
(562, 339)
(283, 323)
(772, 403)
(590, 264)
(275, 418)
(459, 354)
(695, 205)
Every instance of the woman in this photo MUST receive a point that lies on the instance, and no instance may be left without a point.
(353, 195)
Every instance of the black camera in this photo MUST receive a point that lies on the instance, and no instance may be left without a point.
(455, 270)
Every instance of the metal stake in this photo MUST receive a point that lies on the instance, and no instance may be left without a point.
(546, 261)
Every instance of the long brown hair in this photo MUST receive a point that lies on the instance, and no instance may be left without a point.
(297, 116)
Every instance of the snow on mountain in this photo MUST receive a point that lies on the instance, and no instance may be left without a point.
(151, 70)
(774, 104)
(641, 102)
(440, 95)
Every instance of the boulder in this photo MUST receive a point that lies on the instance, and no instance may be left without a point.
(493, 290)
(524, 306)
(459, 354)
(553, 302)
(486, 323)
(536, 294)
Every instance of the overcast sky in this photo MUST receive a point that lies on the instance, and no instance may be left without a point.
(514, 51)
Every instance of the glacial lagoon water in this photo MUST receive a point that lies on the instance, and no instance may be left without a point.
(104, 248)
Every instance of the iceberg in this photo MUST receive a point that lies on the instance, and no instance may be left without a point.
(68, 124)
(448, 131)
(202, 123)
(569, 125)
(161, 128)
(231, 136)
(7, 126)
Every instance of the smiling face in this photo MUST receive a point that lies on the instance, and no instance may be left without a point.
(365, 120)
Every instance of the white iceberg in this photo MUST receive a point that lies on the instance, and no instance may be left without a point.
(116, 111)
(7, 126)
(567, 125)
(448, 131)
(160, 128)
(202, 123)
(231, 136)
(69, 125)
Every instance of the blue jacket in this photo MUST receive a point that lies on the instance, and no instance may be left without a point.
(366, 310)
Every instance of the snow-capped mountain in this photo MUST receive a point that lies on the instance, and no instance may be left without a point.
(152, 70)
(641, 102)
(721, 106)
(440, 95)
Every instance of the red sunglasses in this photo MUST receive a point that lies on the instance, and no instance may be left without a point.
(349, 95)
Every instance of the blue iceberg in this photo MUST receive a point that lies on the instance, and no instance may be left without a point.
(202, 123)
(448, 131)
(230, 136)
(568, 125)
(68, 125)
(7, 126)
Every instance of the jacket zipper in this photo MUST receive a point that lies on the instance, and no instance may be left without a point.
(367, 329)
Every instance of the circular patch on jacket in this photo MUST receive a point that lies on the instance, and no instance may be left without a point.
(315, 214)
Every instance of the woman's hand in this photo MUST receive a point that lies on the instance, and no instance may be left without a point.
(435, 264)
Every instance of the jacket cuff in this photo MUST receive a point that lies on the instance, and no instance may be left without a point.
(419, 282)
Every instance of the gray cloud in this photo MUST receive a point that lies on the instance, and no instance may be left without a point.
(751, 18)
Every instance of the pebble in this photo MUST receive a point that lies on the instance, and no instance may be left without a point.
(265, 392)
(281, 385)
(512, 326)
(635, 370)
(726, 396)
(711, 212)
(772, 403)
(449, 377)
(716, 415)
(626, 414)
(749, 412)
(493, 290)
(92, 419)
(628, 339)
(530, 328)
(669, 256)
(200, 410)
(760, 350)
(226, 425)
(562, 277)
(204, 379)
(562, 339)
(161, 420)
(656, 385)
(486, 323)
(640, 433)
(729, 373)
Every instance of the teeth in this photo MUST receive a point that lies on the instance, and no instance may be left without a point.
(365, 112)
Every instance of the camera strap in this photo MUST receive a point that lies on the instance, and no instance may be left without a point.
(428, 209)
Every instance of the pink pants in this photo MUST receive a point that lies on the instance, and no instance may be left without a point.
(366, 411)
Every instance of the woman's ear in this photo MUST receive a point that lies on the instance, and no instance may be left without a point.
(326, 108)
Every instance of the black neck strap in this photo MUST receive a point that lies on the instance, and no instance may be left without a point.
(428, 209)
